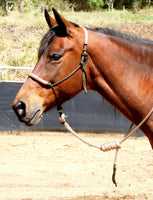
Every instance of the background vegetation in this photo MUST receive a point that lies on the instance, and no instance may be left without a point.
(85, 5)
(20, 33)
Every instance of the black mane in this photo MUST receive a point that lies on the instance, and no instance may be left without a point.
(119, 34)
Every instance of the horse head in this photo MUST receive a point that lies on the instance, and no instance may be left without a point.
(58, 56)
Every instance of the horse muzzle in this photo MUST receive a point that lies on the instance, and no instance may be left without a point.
(31, 117)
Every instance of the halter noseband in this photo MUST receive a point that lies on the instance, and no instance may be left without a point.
(82, 66)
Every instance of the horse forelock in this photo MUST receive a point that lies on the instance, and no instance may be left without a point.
(46, 40)
(54, 32)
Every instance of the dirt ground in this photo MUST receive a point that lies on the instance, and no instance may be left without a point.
(56, 166)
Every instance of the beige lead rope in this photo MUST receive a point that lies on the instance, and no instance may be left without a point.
(107, 146)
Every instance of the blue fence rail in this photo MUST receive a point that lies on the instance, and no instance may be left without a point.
(85, 113)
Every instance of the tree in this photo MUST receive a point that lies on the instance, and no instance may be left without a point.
(149, 3)
(87, 4)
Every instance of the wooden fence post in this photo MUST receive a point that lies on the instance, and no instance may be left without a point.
(42, 8)
(123, 8)
(20, 7)
(6, 7)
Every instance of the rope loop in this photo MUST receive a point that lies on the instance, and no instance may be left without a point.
(110, 146)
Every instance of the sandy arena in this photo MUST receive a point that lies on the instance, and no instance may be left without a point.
(57, 166)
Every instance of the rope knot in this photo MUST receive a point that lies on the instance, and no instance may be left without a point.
(84, 58)
(50, 84)
(62, 118)
(110, 146)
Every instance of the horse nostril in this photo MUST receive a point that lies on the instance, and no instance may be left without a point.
(20, 109)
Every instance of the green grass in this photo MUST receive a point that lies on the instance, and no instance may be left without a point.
(107, 19)
(20, 34)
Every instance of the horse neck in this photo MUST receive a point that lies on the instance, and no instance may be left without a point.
(117, 67)
(118, 53)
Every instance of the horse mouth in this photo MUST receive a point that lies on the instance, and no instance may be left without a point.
(35, 119)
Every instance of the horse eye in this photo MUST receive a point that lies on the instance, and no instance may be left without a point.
(55, 57)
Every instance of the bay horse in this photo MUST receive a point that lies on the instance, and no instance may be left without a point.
(117, 66)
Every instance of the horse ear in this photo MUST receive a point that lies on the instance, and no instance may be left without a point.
(50, 20)
(62, 22)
